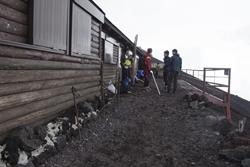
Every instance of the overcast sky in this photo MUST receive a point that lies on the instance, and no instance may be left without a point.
(207, 33)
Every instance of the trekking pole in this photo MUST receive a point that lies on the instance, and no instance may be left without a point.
(155, 82)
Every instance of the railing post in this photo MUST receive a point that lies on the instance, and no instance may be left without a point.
(228, 96)
(204, 80)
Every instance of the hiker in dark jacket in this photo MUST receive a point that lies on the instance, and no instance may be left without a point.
(166, 68)
(175, 64)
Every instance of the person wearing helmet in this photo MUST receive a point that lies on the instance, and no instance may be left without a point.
(126, 63)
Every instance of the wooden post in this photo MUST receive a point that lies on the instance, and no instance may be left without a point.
(134, 57)
(75, 95)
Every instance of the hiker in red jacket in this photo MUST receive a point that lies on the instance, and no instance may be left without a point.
(147, 69)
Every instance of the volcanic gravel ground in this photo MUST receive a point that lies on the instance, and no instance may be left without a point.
(147, 130)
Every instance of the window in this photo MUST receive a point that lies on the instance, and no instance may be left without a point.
(81, 31)
(50, 23)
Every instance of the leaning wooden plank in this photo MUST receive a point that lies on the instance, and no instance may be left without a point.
(13, 27)
(11, 113)
(16, 4)
(39, 115)
(14, 38)
(27, 64)
(8, 76)
(14, 88)
(28, 97)
(13, 15)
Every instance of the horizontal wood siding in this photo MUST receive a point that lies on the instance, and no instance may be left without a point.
(95, 38)
(14, 21)
(33, 92)
(109, 72)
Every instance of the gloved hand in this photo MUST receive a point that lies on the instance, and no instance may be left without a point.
(151, 71)
(126, 67)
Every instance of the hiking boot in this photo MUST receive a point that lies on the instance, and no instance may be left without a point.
(147, 89)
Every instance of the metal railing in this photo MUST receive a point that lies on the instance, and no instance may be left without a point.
(207, 81)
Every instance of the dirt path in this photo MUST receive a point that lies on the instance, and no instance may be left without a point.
(147, 130)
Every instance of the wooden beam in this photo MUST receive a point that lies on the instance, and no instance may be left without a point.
(95, 28)
(24, 109)
(94, 33)
(13, 15)
(95, 39)
(13, 27)
(95, 45)
(28, 97)
(10, 76)
(27, 64)
(16, 4)
(14, 38)
(20, 87)
(14, 52)
(7, 126)
(94, 50)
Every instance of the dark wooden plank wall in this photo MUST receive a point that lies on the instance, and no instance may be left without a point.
(14, 20)
(109, 72)
(35, 91)
(95, 38)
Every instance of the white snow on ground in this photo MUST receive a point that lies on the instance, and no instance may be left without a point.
(52, 133)
(74, 126)
(38, 151)
(23, 157)
(94, 113)
(2, 163)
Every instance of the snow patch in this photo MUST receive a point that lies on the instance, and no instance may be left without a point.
(38, 151)
(89, 114)
(94, 113)
(74, 126)
(2, 163)
(23, 157)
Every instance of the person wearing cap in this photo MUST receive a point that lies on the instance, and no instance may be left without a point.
(166, 69)
(147, 69)
(175, 64)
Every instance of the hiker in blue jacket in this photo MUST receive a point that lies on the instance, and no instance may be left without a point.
(166, 68)
(175, 64)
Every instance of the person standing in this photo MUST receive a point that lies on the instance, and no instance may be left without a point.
(126, 63)
(175, 64)
(147, 69)
(166, 69)
(157, 68)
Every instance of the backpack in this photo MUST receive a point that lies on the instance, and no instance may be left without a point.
(125, 86)
(141, 63)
